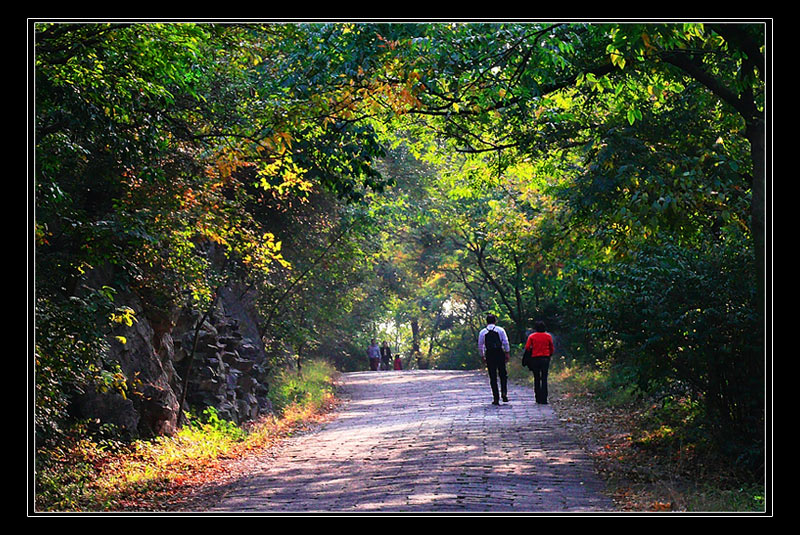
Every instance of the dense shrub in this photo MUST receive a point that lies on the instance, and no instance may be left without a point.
(685, 322)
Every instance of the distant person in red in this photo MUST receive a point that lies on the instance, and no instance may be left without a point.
(398, 364)
(541, 345)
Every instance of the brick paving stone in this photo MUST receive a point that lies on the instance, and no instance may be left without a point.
(419, 441)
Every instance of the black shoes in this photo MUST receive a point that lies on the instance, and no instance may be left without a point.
(497, 401)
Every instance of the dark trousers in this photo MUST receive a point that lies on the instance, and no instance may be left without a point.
(496, 364)
(539, 367)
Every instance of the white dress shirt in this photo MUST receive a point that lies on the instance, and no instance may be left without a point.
(503, 339)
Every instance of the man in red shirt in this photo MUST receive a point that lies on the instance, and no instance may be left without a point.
(541, 345)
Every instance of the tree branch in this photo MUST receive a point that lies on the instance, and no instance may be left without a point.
(300, 277)
(736, 35)
(692, 68)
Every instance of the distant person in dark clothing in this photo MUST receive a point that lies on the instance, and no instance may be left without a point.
(540, 343)
(386, 356)
(494, 349)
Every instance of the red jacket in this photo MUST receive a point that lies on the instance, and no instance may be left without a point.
(541, 344)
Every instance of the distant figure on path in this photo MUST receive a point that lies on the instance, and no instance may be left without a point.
(495, 351)
(386, 356)
(541, 345)
(398, 364)
(374, 355)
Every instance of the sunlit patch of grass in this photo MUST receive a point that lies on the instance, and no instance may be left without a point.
(660, 434)
(612, 386)
(312, 386)
(749, 498)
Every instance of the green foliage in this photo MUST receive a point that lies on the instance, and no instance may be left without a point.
(684, 322)
(211, 424)
(71, 352)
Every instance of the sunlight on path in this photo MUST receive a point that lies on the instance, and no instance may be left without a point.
(426, 441)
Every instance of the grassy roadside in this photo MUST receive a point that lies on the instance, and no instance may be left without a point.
(91, 475)
(647, 464)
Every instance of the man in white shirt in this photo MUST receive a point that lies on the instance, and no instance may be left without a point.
(494, 348)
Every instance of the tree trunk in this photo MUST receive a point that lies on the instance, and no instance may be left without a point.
(755, 134)
(415, 353)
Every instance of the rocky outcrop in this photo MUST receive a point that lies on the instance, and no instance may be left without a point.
(226, 370)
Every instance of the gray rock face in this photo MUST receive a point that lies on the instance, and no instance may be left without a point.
(227, 371)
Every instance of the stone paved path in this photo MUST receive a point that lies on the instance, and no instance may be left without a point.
(426, 441)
